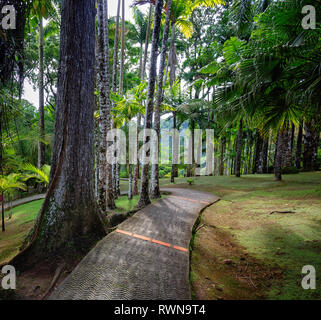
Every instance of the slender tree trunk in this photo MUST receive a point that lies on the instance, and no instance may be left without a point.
(239, 150)
(41, 145)
(191, 165)
(143, 70)
(265, 150)
(288, 143)
(122, 60)
(310, 146)
(116, 169)
(175, 152)
(155, 190)
(2, 213)
(172, 57)
(115, 56)
(69, 214)
(1, 168)
(114, 81)
(144, 196)
(105, 186)
(136, 169)
(222, 154)
(279, 150)
(298, 153)
(257, 153)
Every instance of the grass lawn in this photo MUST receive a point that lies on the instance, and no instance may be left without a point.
(17, 227)
(23, 218)
(241, 251)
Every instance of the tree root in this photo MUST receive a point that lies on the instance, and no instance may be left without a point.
(54, 280)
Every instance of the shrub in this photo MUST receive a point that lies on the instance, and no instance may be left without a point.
(290, 170)
(190, 181)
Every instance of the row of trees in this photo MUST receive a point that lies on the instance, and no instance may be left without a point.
(246, 69)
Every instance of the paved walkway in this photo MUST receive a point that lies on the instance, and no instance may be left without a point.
(147, 257)
(18, 202)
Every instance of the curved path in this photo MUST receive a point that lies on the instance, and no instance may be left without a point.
(147, 257)
(21, 201)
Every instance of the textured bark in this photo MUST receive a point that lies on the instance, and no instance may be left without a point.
(144, 196)
(298, 153)
(155, 191)
(222, 154)
(143, 69)
(174, 149)
(105, 185)
(239, 150)
(172, 57)
(136, 169)
(288, 144)
(69, 221)
(41, 125)
(264, 157)
(257, 152)
(1, 168)
(311, 140)
(115, 56)
(114, 82)
(122, 55)
(279, 150)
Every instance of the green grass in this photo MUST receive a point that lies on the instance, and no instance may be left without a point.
(123, 205)
(288, 241)
(17, 227)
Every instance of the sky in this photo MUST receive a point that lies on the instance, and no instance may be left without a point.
(32, 96)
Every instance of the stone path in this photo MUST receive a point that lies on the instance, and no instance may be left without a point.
(19, 202)
(147, 257)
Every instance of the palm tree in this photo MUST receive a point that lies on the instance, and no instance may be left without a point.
(105, 184)
(41, 175)
(126, 108)
(144, 196)
(155, 191)
(115, 57)
(8, 183)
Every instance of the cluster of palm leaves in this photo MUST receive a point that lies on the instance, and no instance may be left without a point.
(276, 73)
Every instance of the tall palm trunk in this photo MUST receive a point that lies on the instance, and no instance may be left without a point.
(143, 69)
(105, 185)
(265, 150)
(239, 150)
(1, 169)
(298, 153)
(155, 191)
(175, 151)
(136, 168)
(222, 155)
(70, 214)
(121, 91)
(311, 140)
(142, 77)
(144, 197)
(115, 56)
(279, 150)
(288, 144)
(41, 145)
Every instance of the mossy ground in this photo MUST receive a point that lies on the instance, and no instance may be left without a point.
(241, 251)
(267, 251)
